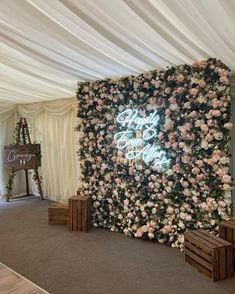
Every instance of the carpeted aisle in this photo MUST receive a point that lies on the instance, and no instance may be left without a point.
(99, 262)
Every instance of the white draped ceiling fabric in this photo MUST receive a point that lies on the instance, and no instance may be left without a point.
(46, 47)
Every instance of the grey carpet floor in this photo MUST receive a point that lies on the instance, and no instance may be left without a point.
(98, 262)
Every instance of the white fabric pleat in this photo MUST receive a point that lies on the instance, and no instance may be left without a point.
(47, 46)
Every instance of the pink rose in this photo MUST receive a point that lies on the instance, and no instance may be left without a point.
(224, 80)
(204, 128)
(196, 170)
(195, 199)
(200, 177)
(184, 184)
(180, 78)
(146, 85)
(170, 210)
(202, 83)
(126, 202)
(215, 103)
(172, 100)
(166, 229)
(167, 112)
(167, 145)
(180, 90)
(210, 123)
(199, 163)
(193, 114)
(222, 72)
(181, 144)
(176, 168)
(174, 145)
(188, 218)
(226, 187)
(211, 94)
(217, 152)
(138, 234)
(201, 63)
(160, 136)
(188, 126)
(216, 113)
(185, 159)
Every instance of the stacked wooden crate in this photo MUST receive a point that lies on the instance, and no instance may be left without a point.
(227, 232)
(79, 213)
(58, 214)
(209, 254)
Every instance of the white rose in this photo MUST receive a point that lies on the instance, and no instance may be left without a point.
(224, 160)
(199, 123)
(218, 136)
(204, 144)
(187, 105)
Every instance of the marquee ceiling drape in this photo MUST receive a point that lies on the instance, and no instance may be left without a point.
(47, 46)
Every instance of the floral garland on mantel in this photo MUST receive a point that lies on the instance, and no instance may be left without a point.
(132, 196)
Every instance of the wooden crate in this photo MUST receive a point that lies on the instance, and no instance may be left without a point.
(227, 232)
(209, 254)
(79, 213)
(58, 214)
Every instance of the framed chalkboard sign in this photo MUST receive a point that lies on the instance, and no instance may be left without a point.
(21, 157)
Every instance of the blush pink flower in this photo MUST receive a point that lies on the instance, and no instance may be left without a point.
(202, 83)
(224, 80)
(172, 100)
(228, 126)
(188, 126)
(193, 92)
(176, 168)
(180, 90)
(184, 184)
(185, 159)
(180, 78)
(193, 114)
(204, 128)
(196, 170)
(211, 94)
(216, 113)
(167, 112)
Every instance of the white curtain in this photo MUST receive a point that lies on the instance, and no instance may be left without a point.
(52, 124)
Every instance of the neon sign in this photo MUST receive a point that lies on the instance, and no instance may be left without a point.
(135, 139)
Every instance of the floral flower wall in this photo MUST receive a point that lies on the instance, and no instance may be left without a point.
(192, 190)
